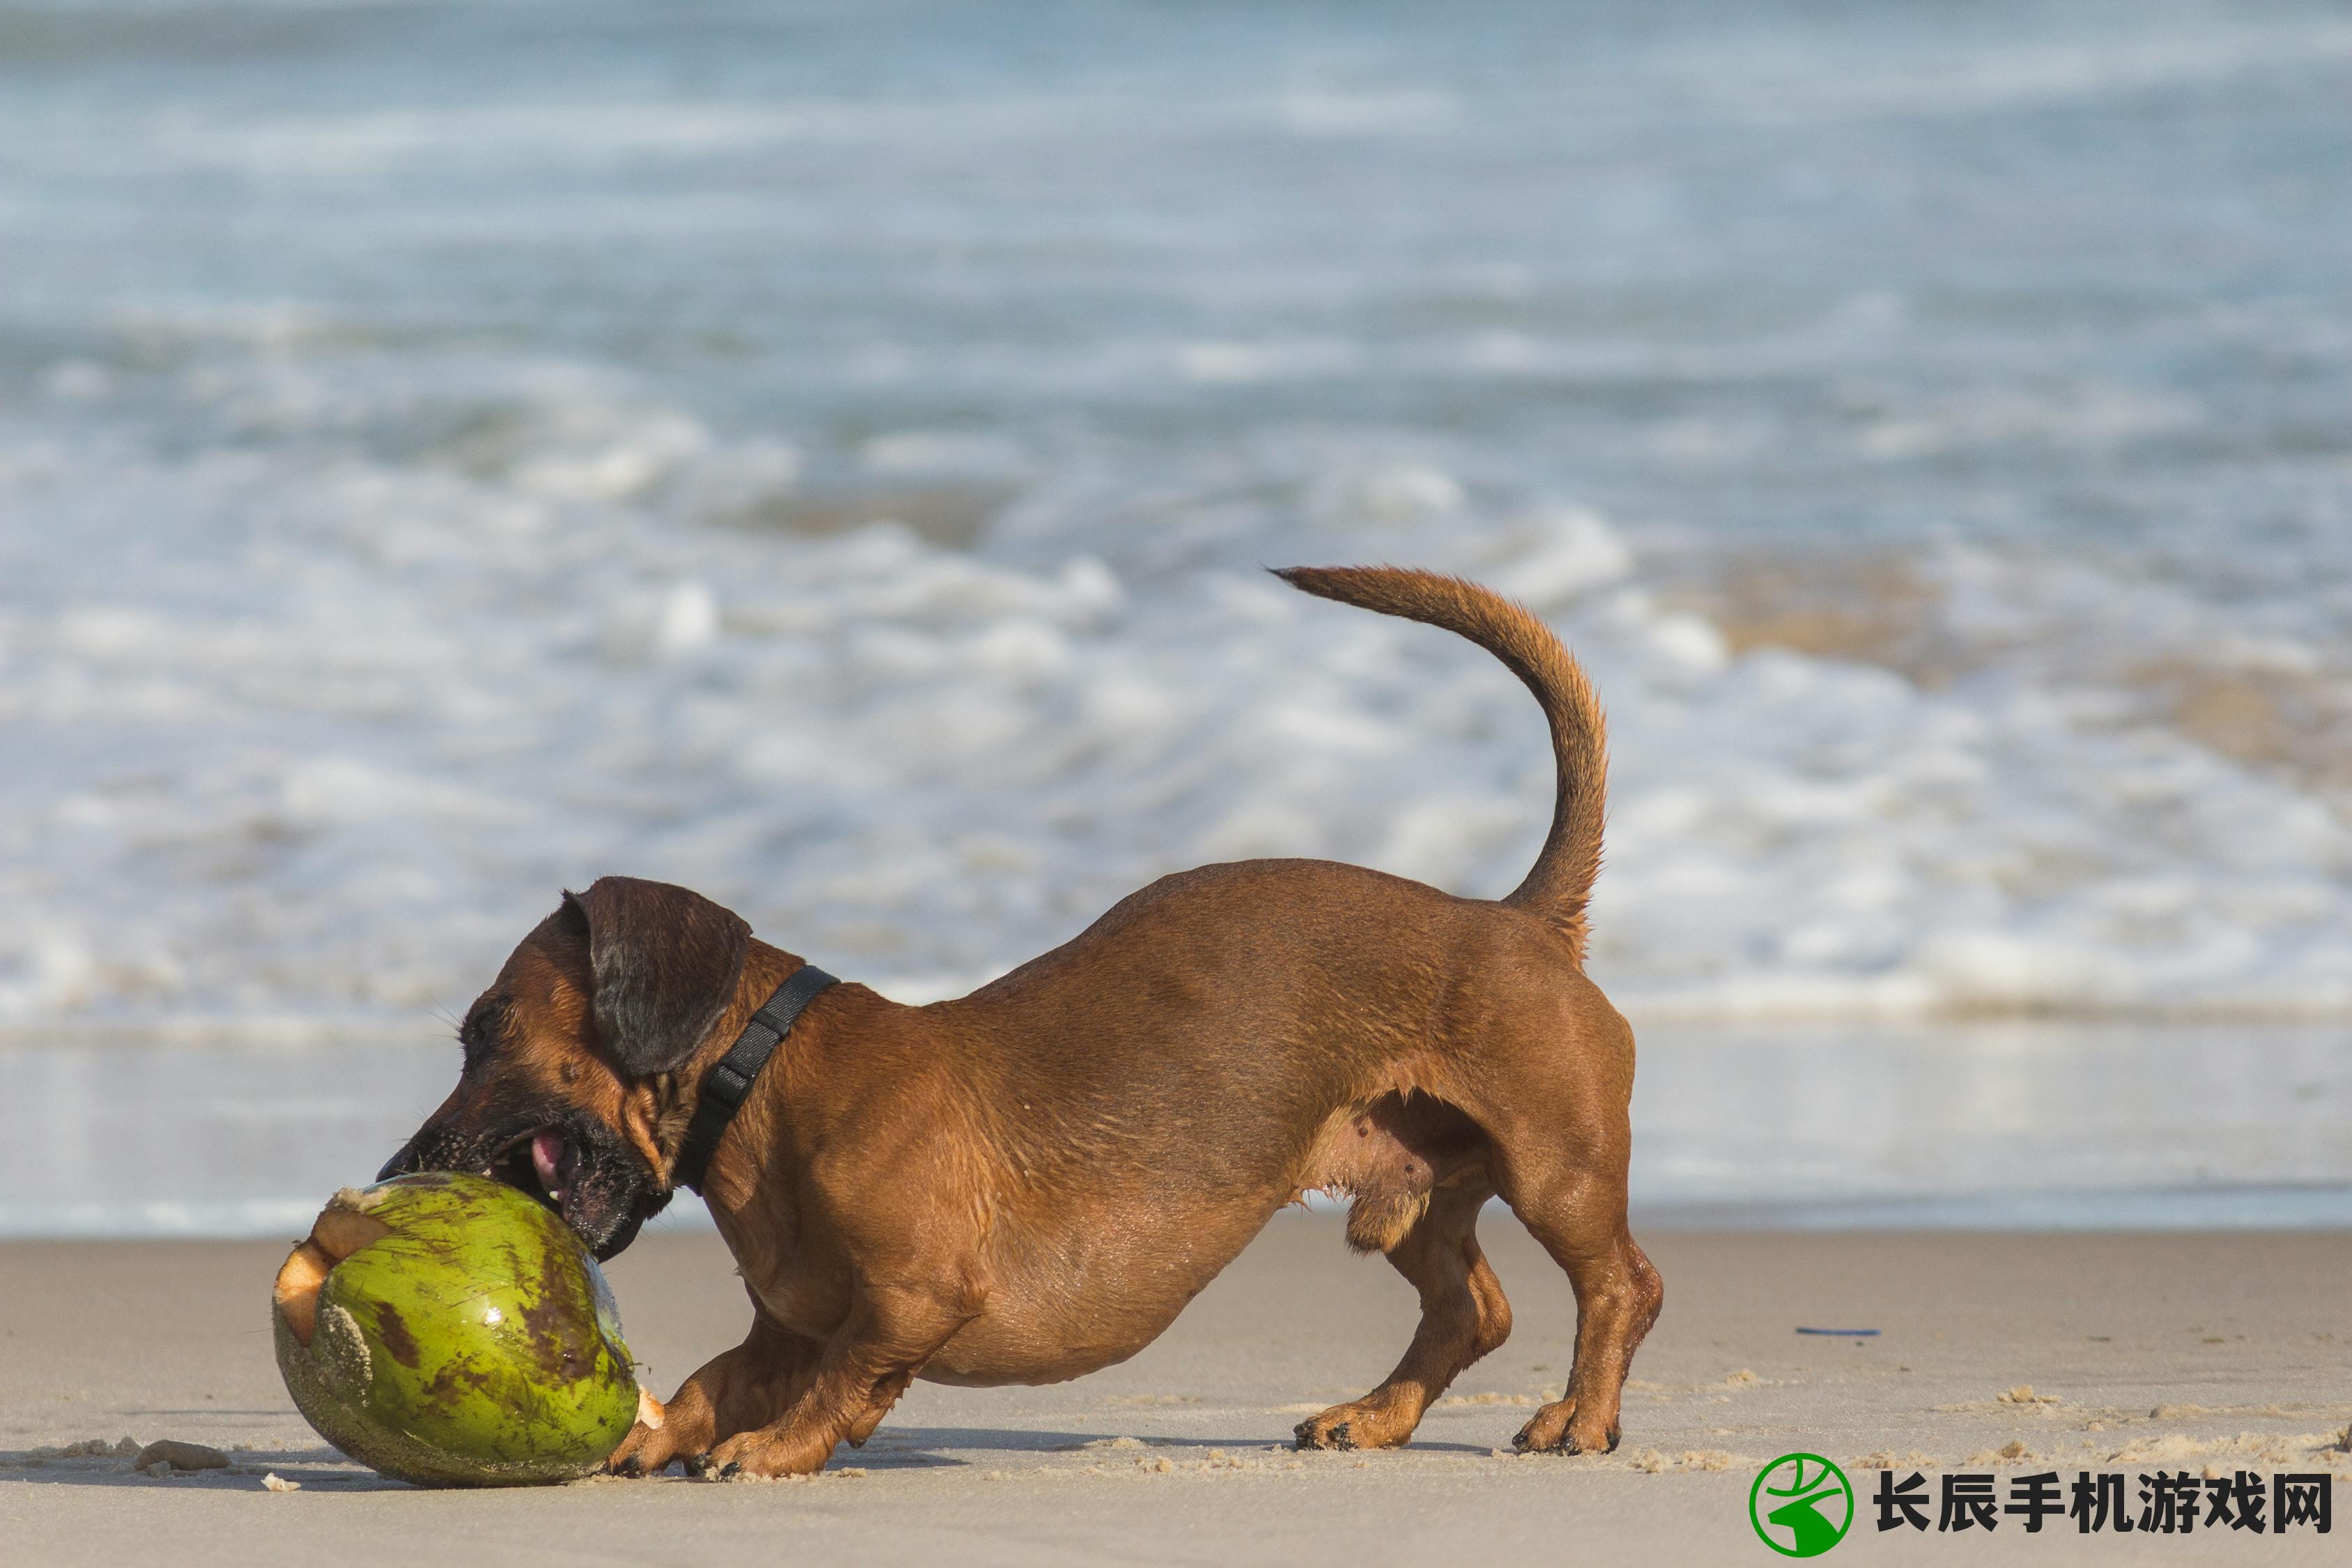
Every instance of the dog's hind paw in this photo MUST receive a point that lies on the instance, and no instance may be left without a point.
(1384, 1418)
(1556, 1430)
(1314, 1435)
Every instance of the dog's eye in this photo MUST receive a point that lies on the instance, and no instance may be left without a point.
(480, 1031)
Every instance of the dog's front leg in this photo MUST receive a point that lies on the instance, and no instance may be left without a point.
(738, 1391)
(891, 1330)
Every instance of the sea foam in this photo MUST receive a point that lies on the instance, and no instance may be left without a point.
(330, 740)
(448, 456)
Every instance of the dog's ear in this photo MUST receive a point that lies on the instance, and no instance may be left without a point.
(665, 963)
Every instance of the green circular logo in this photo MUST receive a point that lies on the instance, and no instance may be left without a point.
(1806, 1509)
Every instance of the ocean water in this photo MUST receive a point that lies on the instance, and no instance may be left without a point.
(824, 455)
(1973, 1127)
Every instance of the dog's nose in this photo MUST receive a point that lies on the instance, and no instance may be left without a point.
(400, 1164)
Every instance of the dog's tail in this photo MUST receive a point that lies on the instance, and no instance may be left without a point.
(1561, 883)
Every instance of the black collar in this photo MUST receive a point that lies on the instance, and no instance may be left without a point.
(726, 1084)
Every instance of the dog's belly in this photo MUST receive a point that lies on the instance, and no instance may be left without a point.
(1164, 1083)
(1090, 1295)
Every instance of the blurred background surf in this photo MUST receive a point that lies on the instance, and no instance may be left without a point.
(823, 455)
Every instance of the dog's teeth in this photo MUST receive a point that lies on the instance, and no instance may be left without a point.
(547, 1161)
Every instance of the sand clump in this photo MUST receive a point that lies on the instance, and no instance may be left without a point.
(1656, 1462)
(164, 1456)
(169, 1456)
(2178, 1449)
(89, 1448)
(2010, 1402)
(2013, 1452)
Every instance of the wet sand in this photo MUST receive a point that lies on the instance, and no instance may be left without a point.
(2141, 1350)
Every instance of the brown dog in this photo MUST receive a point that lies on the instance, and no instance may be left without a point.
(1030, 1182)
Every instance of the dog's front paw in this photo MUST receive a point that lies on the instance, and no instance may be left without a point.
(646, 1451)
(765, 1455)
(654, 1440)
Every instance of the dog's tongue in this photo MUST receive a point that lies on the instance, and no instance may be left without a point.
(547, 1159)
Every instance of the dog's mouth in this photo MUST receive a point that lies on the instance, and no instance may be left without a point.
(543, 1161)
(585, 1174)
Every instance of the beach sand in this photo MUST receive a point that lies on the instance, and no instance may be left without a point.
(2139, 1350)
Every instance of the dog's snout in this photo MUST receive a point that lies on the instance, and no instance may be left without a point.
(408, 1162)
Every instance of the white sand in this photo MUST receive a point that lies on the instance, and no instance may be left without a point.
(1181, 1456)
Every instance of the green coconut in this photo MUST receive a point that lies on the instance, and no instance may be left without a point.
(449, 1330)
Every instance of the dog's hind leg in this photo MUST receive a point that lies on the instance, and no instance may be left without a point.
(1462, 1316)
(1578, 1213)
(1546, 1074)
